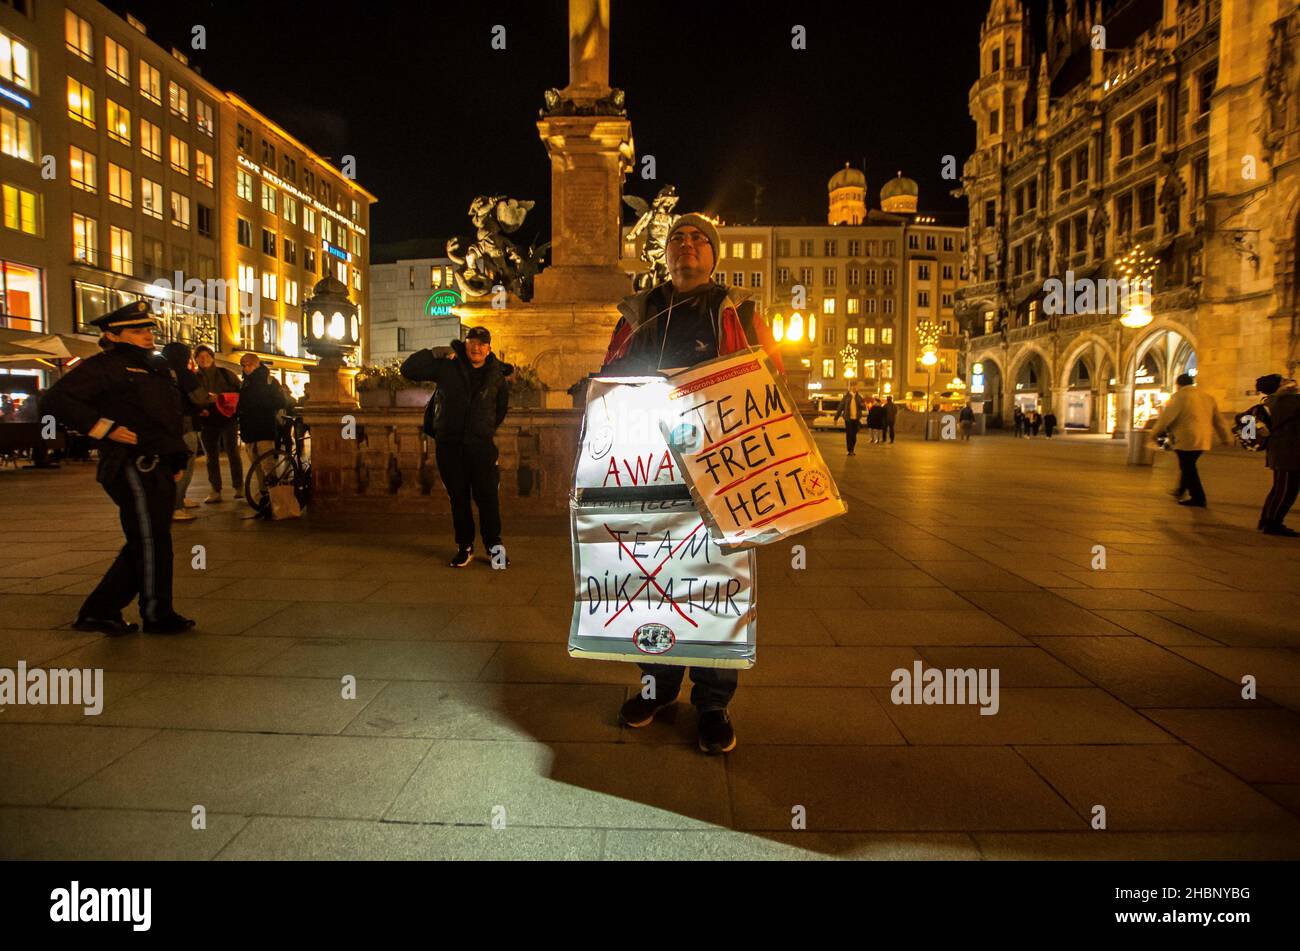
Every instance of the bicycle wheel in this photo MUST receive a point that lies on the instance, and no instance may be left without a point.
(273, 467)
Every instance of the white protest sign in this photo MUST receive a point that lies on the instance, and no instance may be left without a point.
(754, 471)
(622, 446)
(652, 586)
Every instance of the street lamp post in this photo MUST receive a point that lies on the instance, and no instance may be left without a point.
(928, 360)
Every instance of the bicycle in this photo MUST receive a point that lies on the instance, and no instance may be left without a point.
(288, 462)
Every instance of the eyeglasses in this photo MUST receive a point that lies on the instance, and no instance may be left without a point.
(682, 237)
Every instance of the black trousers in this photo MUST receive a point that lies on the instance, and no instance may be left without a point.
(889, 431)
(1189, 479)
(469, 472)
(213, 437)
(145, 501)
(712, 687)
(1286, 486)
(851, 427)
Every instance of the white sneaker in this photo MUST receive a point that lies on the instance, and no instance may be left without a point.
(180, 515)
(212, 499)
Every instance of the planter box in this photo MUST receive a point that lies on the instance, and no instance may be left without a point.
(375, 399)
(415, 397)
(412, 397)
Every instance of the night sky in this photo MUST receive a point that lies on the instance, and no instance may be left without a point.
(714, 92)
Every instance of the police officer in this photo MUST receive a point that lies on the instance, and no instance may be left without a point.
(127, 400)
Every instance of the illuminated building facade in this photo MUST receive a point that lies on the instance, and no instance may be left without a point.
(411, 301)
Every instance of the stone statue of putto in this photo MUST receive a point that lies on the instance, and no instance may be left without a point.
(493, 259)
(655, 220)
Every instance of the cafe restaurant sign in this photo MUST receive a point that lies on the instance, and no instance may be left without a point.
(441, 302)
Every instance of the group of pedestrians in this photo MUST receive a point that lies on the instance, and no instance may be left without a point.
(1027, 423)
(878, 416)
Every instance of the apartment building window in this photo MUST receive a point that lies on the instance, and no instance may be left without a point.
(851, 335)
(151, 198)
(79, 37)
(830, 248)
(180, 154)
(783, 275)
(291, 293)
(1126, 137)
(356, 279)
(828, 335)
(1205, 81)
(1017, 260)
(1063, 169)
(207, 267)
(1080, 233)
(435, 277)
(15, 61)
(151, 257)
(828, 305)
(268, 242)
(923, 300)
(948, 243)
(16, 135)
(178, 99)
(150, 83)
(243, 184)
(828, 369)
(947, 301)
(828, 276)
(737, 278)
(119, 240)
(886, 369)
(151, 140)
(85, 239)
(1146, 201)
(755, 277)
(783, 248)
(854, 276)
(356, 250)
(81, 103)
(290, 251)
(929, 238)
(923, 272)
(247, 278)
(203, 169)
(203, 219)
(889, 277)
(855, 248)
(887, 306)
(853, 305)
(806, 276)
(117, 61)
(990, 213)
(871, 276)
(22, 210)
(806, 249)
(869, 369)
(308, 180)
(401, 339)
(1081, 165)
(914, 240)
(870, 305)
(181, 211)
(755, 247)
(871, 249)
(81, 170)
(1124, 213)
(268, 154)
(327, 229)
(341, 271)
(869, 335)
(118, 118)
(243, 138)
(288, 168)
(119, 185)
(309, 259)
(947, 272)
(290, 209)
(1147, 118)
(737, 249)
(268, 285)
(203, 116)
(181, 260)
(890, 248)
(268, 198)
(994, 122)
(720, 278)
(887, 335)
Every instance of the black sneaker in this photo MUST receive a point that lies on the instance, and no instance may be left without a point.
(716, 732)
(1192, 504)
(105, 625)
(463, 557)
(1277, 528)
(175, 624)
(1178, 493)
(639, 711)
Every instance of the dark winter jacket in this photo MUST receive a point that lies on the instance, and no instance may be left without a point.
(216, 380)
(458, 413)
(1283, 451)
(126, 386)
(843, 408)
(876, 417)
(259, 401)
(193, 393)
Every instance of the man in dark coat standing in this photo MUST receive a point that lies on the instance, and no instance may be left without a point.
(853, 408)
(126, 399)
(471, 401)
(1282, 402)
(891, 416)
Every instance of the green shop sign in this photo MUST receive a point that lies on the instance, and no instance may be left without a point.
(441, 302)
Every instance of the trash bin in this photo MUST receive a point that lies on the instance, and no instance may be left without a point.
(1141, 448)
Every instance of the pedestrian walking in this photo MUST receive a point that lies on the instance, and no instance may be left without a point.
(678, 324)
(194, 399)
(891, 415)
(876, 422)
(469, 404)
(1018, 422)
(219, 423)
(1282, 454)
(261, 402)
(1035, 421)
(1049, 424)
(966, 422)
(853, 409)
(127, 400)
(1190, 420)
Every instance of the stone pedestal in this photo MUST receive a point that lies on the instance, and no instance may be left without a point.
(332, 385)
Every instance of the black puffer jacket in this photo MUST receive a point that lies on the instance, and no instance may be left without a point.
(456, 413)
(259, 401)
(1283, 451)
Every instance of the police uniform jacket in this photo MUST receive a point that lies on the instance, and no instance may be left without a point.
(128, 387)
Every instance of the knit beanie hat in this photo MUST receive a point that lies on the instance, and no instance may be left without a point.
(697, 220)
(1268, 385)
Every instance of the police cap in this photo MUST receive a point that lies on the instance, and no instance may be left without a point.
(126, 318)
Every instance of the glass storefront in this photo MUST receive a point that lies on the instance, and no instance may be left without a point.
(21, 298)
(177, 321)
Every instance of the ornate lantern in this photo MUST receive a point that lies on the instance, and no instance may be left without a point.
(330, 325)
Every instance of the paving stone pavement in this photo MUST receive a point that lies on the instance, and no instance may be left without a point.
(1119, 687)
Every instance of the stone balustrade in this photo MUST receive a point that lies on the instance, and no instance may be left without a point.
(390, 466)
